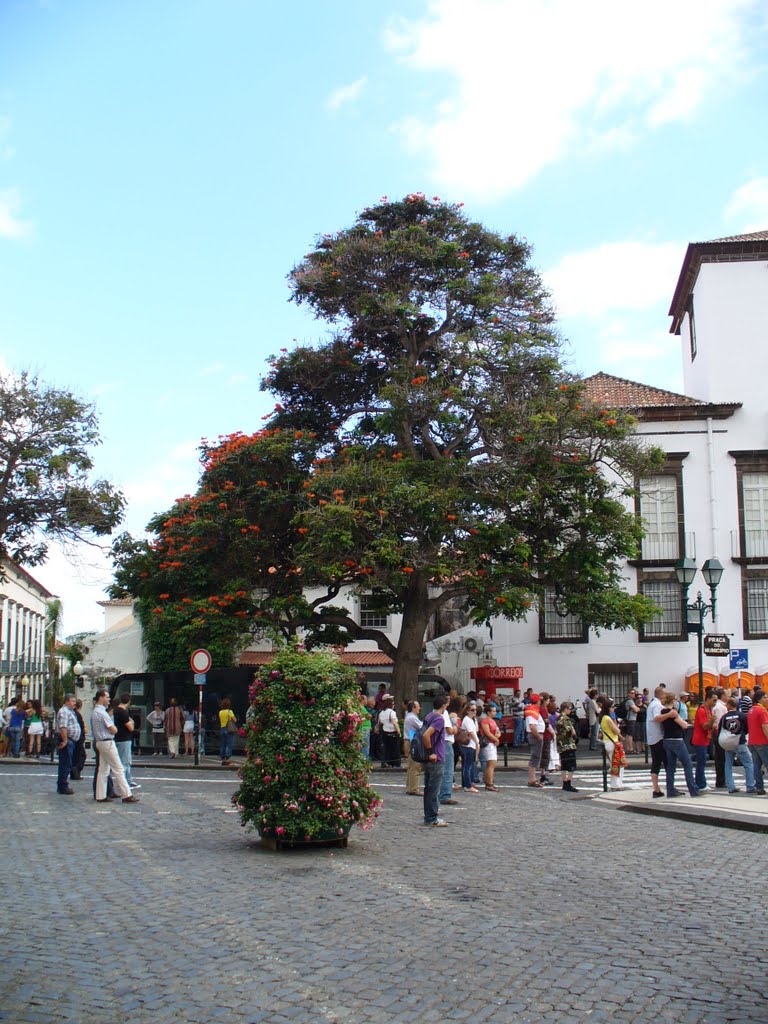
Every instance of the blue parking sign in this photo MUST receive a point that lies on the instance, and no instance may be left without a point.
(739, 657)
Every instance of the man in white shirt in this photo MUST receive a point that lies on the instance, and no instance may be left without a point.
(655, 737)
(718, 711)
(451, 728)
(411, 724)
(103, 730)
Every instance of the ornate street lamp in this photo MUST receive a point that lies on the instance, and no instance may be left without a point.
(712, 571)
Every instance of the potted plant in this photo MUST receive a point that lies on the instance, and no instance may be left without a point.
(305, 779)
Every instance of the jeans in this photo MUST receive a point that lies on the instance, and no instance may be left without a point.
(743, 754)
(519, 736)
(433, 776)
(65, 765)
(124, 753)
(676, 750)
(467, 763)
(700, 753)
(227, 742)
(15, 731)
(760, 761)
(446, 786)
(593, 731)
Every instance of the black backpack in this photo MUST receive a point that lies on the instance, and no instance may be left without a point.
(419, 752)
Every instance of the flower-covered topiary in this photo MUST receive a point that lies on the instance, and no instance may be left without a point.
(305, 777)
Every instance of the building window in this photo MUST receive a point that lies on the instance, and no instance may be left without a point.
(660, 513)
(667, 596)
(372, 617)
(555, 627)
(613, 680)
(691, 326)
(755, 599)
(755, 498)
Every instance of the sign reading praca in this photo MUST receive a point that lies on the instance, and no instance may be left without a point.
(485, 672)
(716, 645)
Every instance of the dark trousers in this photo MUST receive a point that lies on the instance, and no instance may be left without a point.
(719, 766)
(65, 765)
(78, 758)
(433, 777)
(390, 749)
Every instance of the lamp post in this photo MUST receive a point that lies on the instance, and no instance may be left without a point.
(712, 571)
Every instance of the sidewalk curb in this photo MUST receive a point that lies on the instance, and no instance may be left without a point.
(699, 817)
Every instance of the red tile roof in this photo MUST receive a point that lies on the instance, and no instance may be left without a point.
(118, 602)
(649, 402)
(354, 658)
(732, 249)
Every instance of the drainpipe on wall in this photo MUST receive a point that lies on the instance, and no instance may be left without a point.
(713, 506)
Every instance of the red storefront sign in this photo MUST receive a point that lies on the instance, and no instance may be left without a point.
(485, 673)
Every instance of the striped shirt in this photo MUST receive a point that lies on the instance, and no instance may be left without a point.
(100, 724)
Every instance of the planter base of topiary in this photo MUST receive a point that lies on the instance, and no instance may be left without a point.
(276, 843)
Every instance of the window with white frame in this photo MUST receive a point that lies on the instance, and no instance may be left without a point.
(370, 616)
(557, 625)
(755, 497)
(659, 512)
(666, 595)
(756, 607)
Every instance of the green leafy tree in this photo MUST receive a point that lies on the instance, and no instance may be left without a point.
(46, 435)
(433, 449)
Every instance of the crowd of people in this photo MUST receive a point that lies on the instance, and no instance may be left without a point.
(727, 728)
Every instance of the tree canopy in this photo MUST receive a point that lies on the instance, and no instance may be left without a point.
(46, 435)
(433, 448)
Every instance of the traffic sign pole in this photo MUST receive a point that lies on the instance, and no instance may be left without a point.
(200, 662)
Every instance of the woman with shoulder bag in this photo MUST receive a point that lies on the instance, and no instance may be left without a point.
(389, 730)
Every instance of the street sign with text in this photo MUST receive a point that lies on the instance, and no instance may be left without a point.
(717, 645)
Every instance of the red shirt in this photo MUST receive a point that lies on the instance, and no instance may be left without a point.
(701, 736)
(756, 719)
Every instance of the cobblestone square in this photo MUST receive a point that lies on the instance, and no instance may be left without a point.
(530, 907)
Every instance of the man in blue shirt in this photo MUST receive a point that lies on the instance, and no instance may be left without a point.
(434, 741)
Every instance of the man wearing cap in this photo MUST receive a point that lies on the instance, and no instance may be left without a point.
(69, 734)
(103, 730)
(434, 741)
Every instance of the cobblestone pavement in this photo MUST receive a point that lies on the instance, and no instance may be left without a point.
(531, 907)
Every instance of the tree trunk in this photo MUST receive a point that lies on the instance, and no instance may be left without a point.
(416, 614)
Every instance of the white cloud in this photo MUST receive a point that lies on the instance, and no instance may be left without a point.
(346, 93)
(623, 275)
(10, 224)
(747, 208)
(536, 81)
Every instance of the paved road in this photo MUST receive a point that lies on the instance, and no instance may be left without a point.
(531, 907)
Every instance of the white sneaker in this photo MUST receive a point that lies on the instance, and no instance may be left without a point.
(439, 823)
(135, 785)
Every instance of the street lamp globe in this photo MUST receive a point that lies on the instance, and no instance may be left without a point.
(712, 571)
(685, 570)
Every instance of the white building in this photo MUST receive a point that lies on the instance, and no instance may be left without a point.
(709, 500)
(23, 620)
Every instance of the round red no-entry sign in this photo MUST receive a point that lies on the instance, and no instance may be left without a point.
(200, 661)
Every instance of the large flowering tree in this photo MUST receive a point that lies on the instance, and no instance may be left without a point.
(433, 449)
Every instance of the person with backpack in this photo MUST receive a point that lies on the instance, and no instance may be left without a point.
(732, 738)
(432, 735)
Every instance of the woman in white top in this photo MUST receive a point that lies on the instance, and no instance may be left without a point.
(389, 728)
(469, 752)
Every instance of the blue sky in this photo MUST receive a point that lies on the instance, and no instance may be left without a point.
(164, 163)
